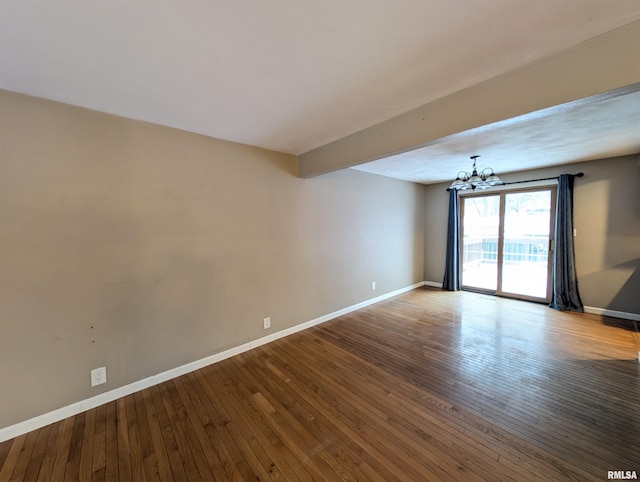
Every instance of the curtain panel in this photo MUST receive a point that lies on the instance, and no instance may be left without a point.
(451, 280)
(564, 280)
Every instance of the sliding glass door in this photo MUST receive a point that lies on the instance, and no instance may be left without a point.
(505, 242)
(480, 233)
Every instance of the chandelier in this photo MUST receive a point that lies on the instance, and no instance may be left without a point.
(473, 180)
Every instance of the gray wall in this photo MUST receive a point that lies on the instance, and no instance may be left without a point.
(606, 215)
(142, 248)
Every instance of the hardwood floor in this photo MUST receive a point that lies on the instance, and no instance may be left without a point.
(429, 385)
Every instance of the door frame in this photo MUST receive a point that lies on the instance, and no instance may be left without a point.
(502, 192)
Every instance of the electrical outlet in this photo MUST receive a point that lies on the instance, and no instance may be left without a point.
(373, 285)
(98, 376)
(266, 322)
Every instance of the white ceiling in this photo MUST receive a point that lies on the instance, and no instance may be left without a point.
(286, 75)
(603, 126)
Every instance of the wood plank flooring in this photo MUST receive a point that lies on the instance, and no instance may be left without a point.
(429, 385)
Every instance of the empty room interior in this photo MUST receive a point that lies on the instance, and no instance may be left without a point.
(279, 240)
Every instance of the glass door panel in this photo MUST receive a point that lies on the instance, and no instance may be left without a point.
(480, 229)
(526, 234)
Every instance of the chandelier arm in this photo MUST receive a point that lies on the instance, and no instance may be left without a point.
(486, 176)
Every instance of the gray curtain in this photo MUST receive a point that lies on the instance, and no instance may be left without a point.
(451, 280)
(564, 281)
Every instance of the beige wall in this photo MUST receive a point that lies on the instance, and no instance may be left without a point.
(141, 248)
(606, 215)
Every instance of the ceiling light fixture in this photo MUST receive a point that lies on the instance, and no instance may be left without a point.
(473, 180)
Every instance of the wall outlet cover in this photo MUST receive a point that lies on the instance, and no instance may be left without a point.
(98, 376)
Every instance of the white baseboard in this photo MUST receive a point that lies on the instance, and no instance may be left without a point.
(40, 421)
(433, 283)
(587, 309)
(613, 313)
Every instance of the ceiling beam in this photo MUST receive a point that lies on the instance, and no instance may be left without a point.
(609, 61)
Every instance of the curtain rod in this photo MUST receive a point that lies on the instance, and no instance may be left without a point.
(580, 174)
